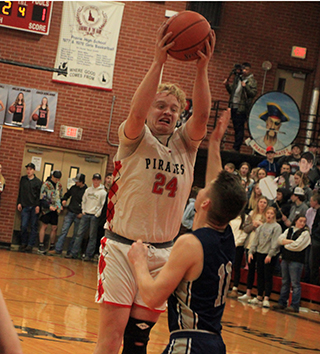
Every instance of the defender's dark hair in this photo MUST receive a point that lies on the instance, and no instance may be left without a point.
(228, 199)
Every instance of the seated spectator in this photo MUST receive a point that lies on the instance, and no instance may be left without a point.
(298, 206)
(255, 219)
(265, 246)
(269, 163)
(285, 180)
(230, 167)
(295, 241)
(316, 186)
(293, 159)
(239, 239)
(282, 204)
(301, 180)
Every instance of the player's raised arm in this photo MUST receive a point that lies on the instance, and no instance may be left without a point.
(197, 124)
(145, 94)
(214, 165)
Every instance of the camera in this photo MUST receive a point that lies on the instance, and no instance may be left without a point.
(237, 69)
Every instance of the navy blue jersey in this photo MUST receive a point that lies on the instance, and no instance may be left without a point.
(199, 304)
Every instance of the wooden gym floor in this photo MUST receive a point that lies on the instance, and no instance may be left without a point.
(51, 303)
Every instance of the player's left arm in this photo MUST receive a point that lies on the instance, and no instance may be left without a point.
(185, 262)
(197, 123)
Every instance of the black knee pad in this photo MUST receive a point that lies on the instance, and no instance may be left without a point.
(137, 331)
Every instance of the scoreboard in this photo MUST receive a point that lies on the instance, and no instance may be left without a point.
(30, 16)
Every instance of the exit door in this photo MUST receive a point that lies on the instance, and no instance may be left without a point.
(70, 163)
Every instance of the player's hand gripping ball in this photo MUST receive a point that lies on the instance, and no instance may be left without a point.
(189, 33)
(12, 109)
(35, 117)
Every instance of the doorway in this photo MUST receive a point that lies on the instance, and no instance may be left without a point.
(292, 83)
(48, 159)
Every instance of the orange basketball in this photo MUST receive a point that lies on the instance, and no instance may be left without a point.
(35, 117)
(12, 109)
(189, 33)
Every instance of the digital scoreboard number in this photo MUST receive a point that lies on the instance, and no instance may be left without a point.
(30, 16)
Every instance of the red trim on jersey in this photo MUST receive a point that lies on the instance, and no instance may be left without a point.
(148, 308)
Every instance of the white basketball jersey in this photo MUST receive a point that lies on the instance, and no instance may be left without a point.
(151, 187)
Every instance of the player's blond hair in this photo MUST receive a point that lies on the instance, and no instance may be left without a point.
(176, 91)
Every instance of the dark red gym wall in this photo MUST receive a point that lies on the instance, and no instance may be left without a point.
(249, 31)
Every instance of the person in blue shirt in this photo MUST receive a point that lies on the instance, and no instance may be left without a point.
(269, 163)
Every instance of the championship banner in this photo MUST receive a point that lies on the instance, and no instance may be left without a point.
(88, 43)
(274, 120)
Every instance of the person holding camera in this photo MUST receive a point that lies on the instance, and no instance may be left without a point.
(242, 91)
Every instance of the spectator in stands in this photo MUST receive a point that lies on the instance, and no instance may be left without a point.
(255, 219)
(295, 241)
(282, 204)
(269, 164)
(254, 197)
(262, 173)
(239, 239)
(230, 167)
(298, 207)
(254, 174)
(293, 159)
(316, 186)
(189, 212)
(265, 246)
(301, 180)
(244, 173)
(315, 250)
(285, 180)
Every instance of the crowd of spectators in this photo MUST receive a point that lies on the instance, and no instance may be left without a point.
(41, 204)
(279, 235)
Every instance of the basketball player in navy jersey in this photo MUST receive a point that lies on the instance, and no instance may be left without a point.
(152, 179)
(198, 271)
(20, 106)
(43, 113)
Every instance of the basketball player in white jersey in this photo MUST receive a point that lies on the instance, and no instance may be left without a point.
(152, 180)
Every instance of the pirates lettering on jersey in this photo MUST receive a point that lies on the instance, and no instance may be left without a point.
(159, 164)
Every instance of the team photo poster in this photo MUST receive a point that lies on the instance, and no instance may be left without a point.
(28, 108)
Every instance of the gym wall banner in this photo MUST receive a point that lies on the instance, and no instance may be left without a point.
(88, 43)
(274, 120)
(28, 108)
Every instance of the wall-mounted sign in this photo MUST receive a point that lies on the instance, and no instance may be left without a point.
(274, 120)
(30, 16)
(70, 132)
(299, 52)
